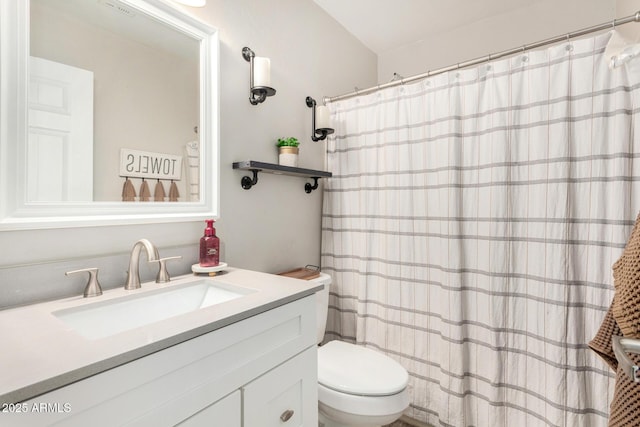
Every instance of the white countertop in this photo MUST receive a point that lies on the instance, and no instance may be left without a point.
(40, 353)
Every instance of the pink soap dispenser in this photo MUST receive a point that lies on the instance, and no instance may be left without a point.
(209, 246)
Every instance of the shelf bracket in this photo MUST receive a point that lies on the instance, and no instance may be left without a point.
(308, 188)
(248, 182)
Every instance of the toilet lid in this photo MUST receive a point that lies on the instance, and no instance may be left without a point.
(353, 369)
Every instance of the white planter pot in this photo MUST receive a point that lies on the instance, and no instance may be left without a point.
(288, 156)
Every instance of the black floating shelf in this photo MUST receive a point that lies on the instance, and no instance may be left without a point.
(255, 167)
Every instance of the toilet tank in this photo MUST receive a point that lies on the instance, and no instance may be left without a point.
(322, 304)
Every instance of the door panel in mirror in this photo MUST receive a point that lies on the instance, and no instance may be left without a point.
(60, 136)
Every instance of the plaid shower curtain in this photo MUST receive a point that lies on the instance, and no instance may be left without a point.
(470, 228)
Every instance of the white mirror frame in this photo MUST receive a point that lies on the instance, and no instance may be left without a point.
(16, 213)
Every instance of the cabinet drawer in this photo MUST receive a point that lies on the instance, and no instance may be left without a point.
(285, 396)
(225, 412)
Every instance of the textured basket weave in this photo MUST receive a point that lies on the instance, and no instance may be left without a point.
(623, 319)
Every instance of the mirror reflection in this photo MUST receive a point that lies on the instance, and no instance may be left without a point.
(110, 88)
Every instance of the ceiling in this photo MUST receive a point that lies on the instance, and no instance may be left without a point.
(124, 21)
(383, 25)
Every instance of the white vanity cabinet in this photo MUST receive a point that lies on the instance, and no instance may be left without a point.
(256, 372)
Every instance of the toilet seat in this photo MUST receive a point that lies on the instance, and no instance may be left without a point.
(359, 371)
(385, 408)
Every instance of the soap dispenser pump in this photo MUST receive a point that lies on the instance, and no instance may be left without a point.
(209, 246)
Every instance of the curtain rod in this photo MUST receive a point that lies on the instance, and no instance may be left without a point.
(616, 22)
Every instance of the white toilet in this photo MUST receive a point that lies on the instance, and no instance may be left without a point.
(357, 386)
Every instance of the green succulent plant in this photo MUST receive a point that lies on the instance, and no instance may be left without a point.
(288, 142)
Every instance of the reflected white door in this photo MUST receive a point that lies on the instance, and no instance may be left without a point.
(60, 141)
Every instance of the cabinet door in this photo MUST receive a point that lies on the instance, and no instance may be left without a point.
(285, 396)
(225, 412)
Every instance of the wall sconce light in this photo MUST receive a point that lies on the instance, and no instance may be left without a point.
(259, 77)
(320, 122)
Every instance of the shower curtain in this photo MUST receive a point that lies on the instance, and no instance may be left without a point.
(470, 228)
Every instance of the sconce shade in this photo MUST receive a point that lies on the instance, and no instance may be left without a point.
(322, 118)
(261, 72)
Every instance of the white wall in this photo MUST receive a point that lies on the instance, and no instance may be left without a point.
(626, 8)
(539, 20)
(275, 225)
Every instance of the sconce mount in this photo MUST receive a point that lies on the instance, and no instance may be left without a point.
(317, 134)
(257, 94)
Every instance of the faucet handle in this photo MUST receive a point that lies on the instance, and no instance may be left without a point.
(93, 288)
(163, 274)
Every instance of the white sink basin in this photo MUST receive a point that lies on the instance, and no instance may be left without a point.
(102, 319)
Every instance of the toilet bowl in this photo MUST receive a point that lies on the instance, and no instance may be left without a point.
(357, 386)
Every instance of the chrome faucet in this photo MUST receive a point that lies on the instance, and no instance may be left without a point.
(133, 275)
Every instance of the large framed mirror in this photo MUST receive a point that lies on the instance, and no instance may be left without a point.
(108, 114)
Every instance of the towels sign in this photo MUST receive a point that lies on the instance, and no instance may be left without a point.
(144, 164)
